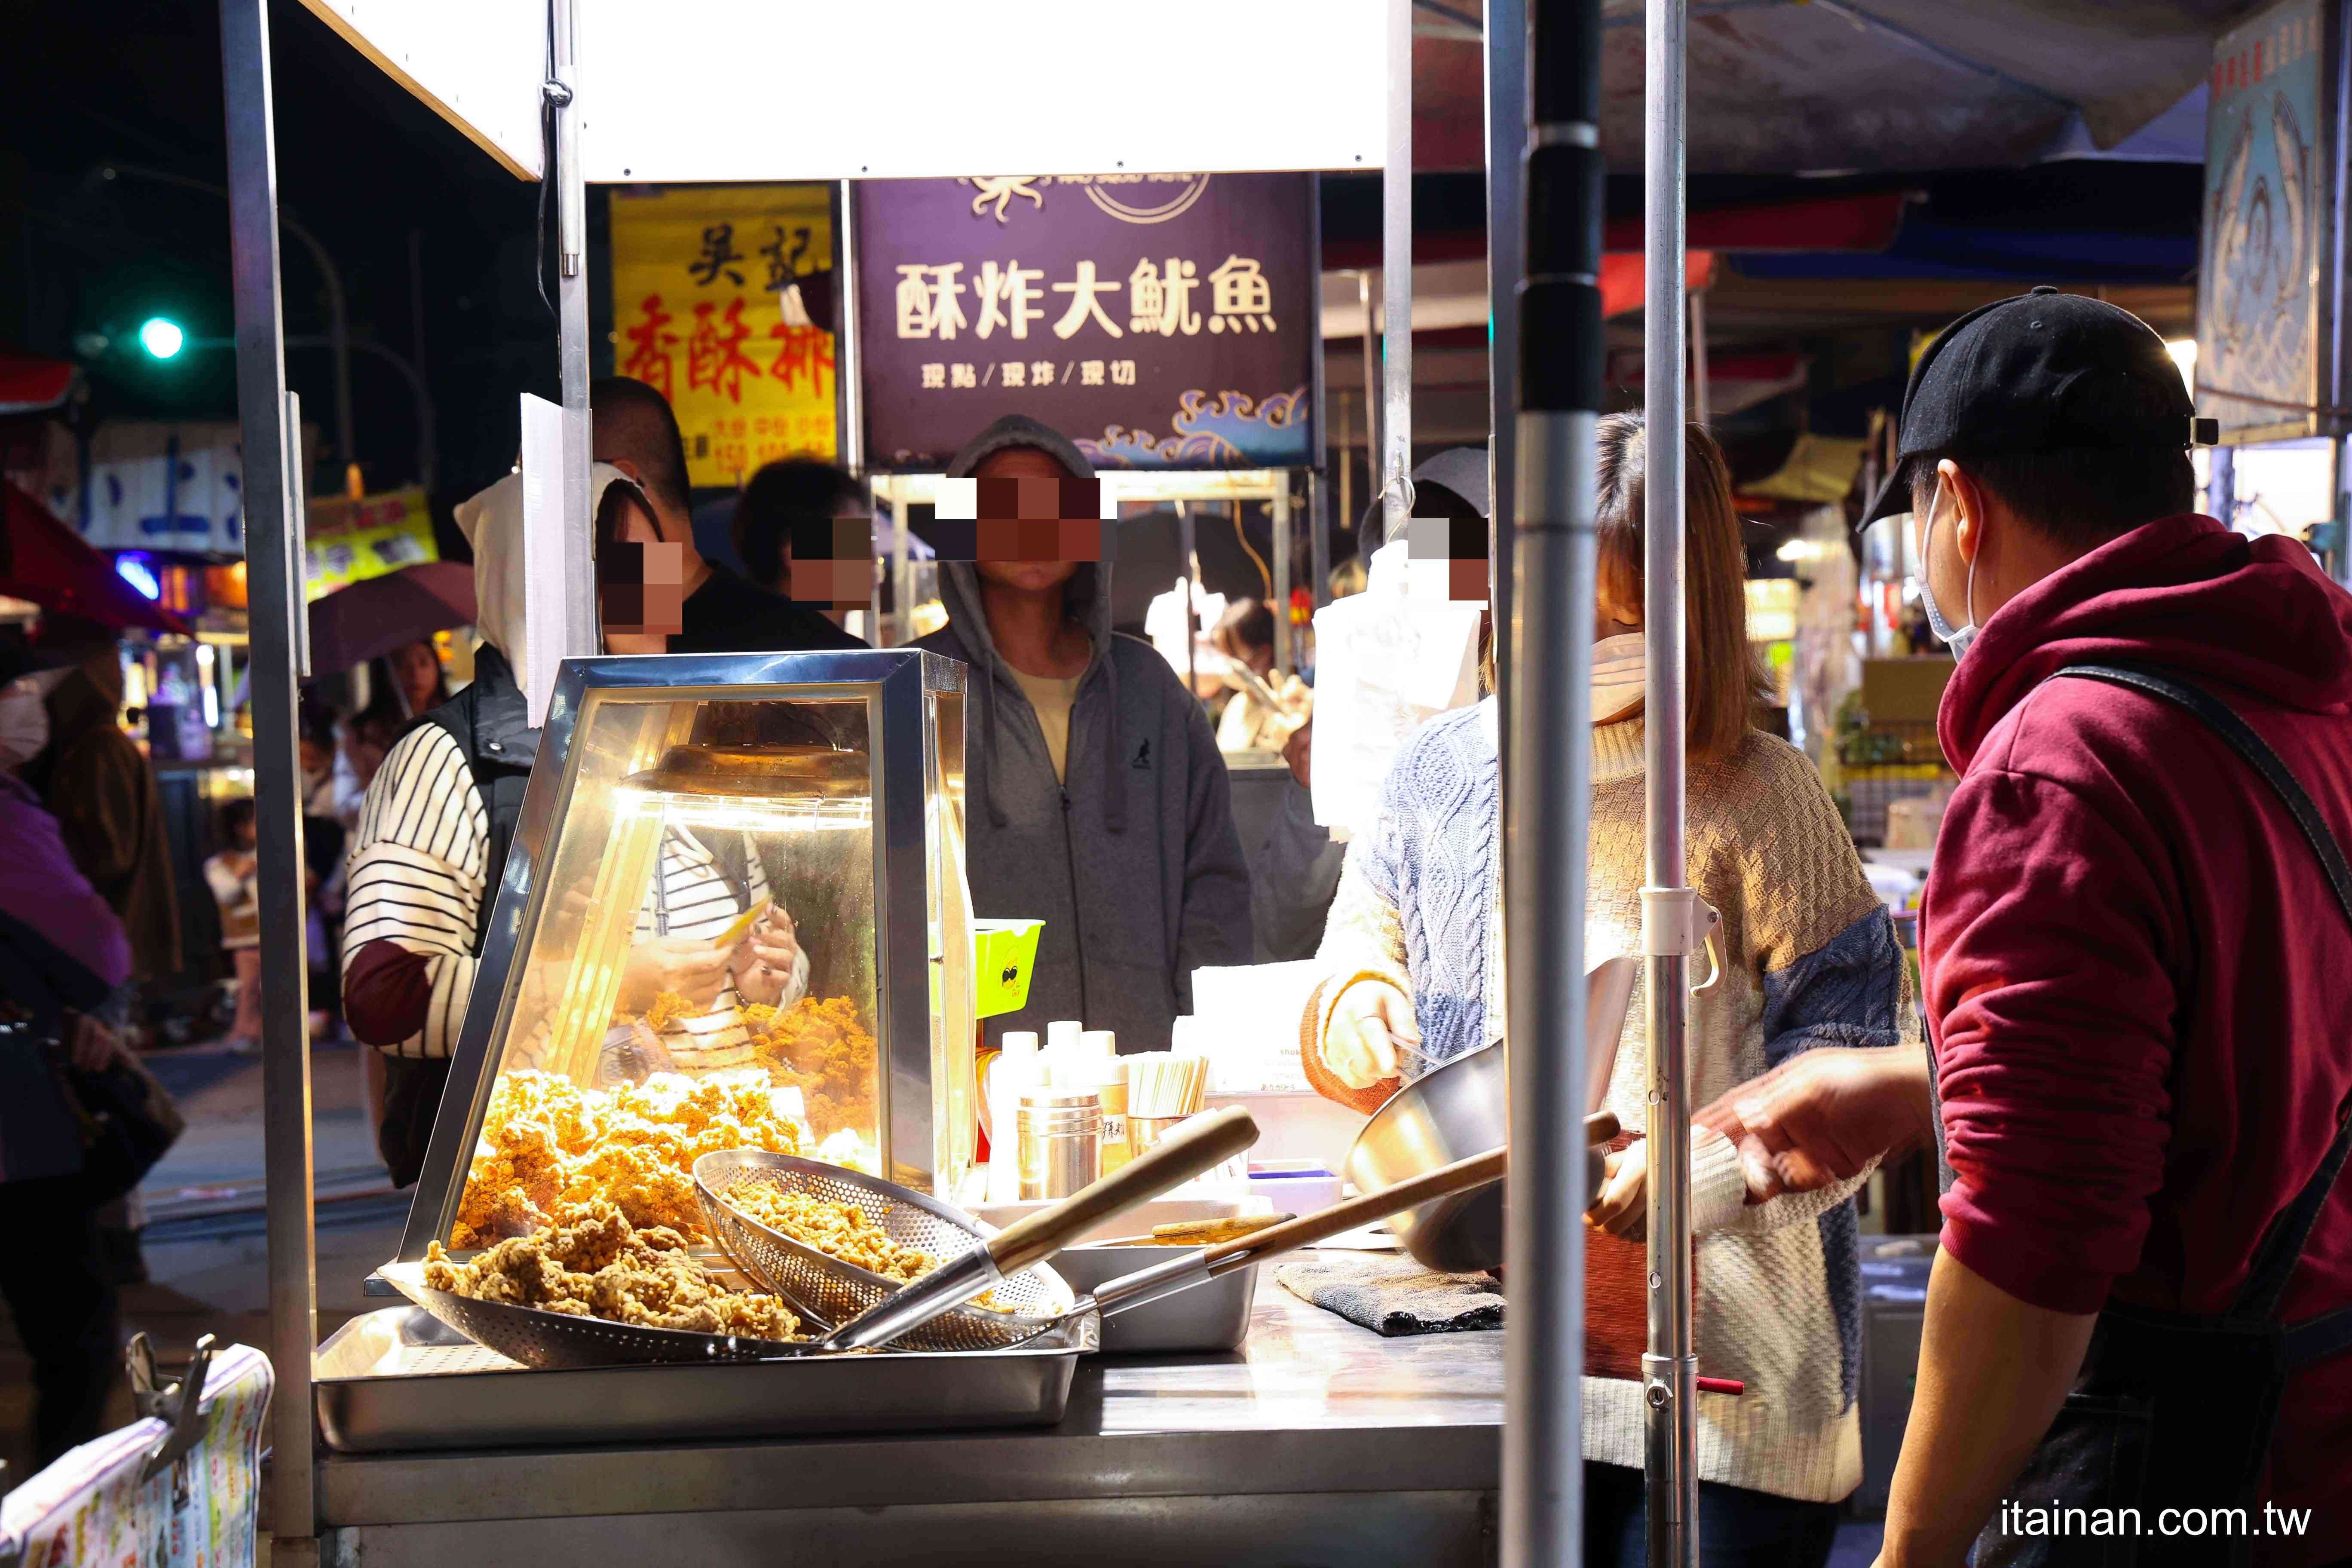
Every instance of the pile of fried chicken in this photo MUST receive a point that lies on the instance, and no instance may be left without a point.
(589, 1261)
(842, 1230)
(549, 1148)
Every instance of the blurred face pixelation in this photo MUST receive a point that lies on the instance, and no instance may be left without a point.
(1017, 558)
(641, 580)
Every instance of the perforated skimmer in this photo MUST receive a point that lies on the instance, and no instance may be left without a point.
(833, 1292)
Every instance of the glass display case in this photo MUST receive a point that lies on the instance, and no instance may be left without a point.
(734, 914)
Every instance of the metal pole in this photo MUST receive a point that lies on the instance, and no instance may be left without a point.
(1372, 389)
(849, 389)
(1396, 277)
(1184, 545)
(1506, 140)
(1700, 415)
(1319, 542)
(276, 591)
(580, 631)
(1548, 793)
(1281, 572)
(1669, 911)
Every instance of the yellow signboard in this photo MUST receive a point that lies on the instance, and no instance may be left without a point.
(699, 312)
(351, 541)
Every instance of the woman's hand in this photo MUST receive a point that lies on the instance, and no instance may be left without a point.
(1622, 1205)
(765, 961)
(1370, 1017)
(90, 1045)
(692, 968)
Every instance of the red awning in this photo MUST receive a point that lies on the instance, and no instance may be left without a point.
(43, 560)
(1621, 278)
(31, 385)
(1866, 223)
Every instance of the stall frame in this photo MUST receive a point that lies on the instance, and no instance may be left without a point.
(898, 679)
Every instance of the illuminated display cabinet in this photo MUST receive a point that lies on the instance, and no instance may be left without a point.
(742, 869)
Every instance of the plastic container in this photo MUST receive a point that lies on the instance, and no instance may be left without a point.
(1019, 1070)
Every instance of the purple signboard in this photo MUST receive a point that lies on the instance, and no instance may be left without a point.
(1159, 321)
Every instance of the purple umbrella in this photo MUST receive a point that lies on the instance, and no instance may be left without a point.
(353, 625)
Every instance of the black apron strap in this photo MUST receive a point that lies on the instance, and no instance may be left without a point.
(2281, 1247)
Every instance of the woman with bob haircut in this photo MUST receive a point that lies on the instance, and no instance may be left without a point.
(1414, 978)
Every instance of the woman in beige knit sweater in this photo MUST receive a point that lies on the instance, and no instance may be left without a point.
(1413, 956)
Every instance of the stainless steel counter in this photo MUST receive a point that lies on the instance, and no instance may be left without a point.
(1319, 1442)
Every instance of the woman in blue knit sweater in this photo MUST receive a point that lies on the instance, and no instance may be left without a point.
(1413, 958)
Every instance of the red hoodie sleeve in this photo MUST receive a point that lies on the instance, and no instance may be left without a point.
(2046, 931)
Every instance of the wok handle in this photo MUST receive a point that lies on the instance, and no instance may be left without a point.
(1200, 1143)
(1460, 1176)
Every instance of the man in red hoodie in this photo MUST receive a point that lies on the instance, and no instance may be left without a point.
(2139, 982)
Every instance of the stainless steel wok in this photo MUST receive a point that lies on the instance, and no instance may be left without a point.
(1462, 1109)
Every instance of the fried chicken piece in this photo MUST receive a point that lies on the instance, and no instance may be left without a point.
(547, 1145)
(594, 1263)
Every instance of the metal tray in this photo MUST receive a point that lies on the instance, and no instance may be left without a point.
(400, 1379)
(1211, 1317)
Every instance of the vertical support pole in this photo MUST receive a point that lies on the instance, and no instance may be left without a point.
(271, 472)
(1184, 545)
(1669, 1368)
(1548, 793)
(1318, 463)
(578, 567)
(1506, 140)
(1700, 414)
(849, 398)
(1348, 471)
(1281, 606)
(1319, 543)
(1396, 278)
(1372, 387)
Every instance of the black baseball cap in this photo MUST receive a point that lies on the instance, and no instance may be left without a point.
(2044, 371)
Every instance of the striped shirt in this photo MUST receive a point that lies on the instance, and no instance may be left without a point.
(417, 872)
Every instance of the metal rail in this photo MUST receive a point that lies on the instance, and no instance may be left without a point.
(1669, 1367)
(272, 482)
(579, 580)
(1396, 279)
(1506, 143)
(1547, 791)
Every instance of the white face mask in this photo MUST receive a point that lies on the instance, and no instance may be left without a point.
(1958, 637)
(23, 722)
(1620, 676)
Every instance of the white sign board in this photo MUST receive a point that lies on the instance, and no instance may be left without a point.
(477, 63)
(751, 89)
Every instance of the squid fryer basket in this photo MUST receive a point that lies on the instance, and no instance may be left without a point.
(833, 1292)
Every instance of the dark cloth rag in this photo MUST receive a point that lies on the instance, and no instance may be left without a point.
(1395, 1296)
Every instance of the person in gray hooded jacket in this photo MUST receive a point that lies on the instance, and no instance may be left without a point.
(1097, 798)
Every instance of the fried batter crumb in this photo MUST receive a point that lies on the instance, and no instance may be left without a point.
(590, 1261)
(840, 1230)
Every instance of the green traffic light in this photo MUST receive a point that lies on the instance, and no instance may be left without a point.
(162, 337)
